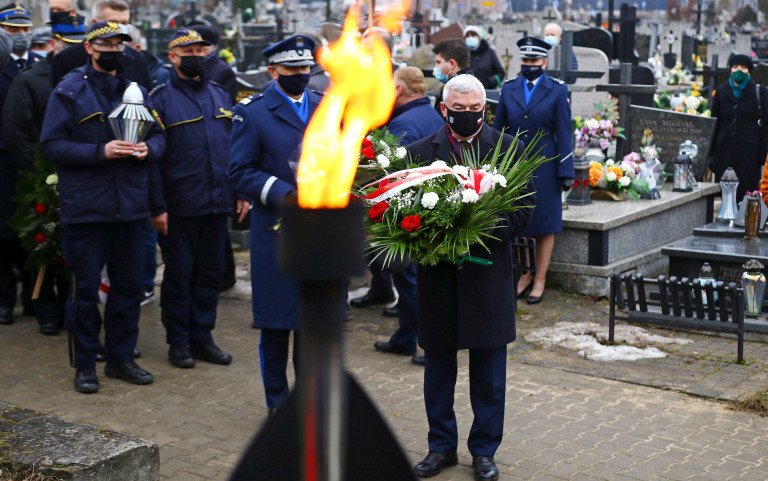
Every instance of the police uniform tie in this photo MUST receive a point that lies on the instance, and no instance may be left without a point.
(297, 102)
(530, 86)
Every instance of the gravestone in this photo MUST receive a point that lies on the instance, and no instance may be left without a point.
(595, 37)
(643, 46)
(670, 129)
(641, 75)
(760, 47)
(584, 99)
(687, 52)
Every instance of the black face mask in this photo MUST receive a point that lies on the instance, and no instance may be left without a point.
(109, 61)
(464, 123)
(531, 72)
(56, 16)
(192, 66)
(293, 84)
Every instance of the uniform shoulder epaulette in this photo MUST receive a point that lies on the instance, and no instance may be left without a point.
(250, 99)
(510, 80)
(557, 80)
(157, 89)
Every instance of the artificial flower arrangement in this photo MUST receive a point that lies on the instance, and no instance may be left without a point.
(621, 179)
(601, 127)
(691, 102)
(438, 212)
(649, 168)
(380, 153)
(37, 219)
(676, 75)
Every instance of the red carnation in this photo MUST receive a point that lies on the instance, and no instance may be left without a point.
(367, 143)
(377, 211)
(368, 153)
(40, 208)
(411, 223)
(40, 238)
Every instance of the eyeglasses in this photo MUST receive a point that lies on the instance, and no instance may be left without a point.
(120, 47)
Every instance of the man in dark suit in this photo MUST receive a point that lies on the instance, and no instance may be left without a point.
(467, 306)
(14, 20)
(134, 63)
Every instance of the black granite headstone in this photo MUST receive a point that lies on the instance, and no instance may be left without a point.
(595, 37)
(641, 75)
(686, 53)
(670, 129)
(760, 47)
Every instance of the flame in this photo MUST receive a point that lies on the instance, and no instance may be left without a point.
(361, 98)
(392, 19)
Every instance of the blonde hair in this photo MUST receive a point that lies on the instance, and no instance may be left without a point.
(412, 79)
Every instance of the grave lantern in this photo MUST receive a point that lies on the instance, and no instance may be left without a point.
(579, 194)
(728, 208)
(691, 150)
(131, 121)
(683, 172)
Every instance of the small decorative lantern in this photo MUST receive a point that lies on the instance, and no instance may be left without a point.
(753, 283)
(728, 208)
(752, 215)
(683, 172)
(691, 150)
(579, 193)
(131, 121)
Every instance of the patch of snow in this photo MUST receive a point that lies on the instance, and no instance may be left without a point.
(583, 337)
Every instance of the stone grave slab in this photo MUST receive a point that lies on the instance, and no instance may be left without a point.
(722, 229)
(585, 97)
(670, 129)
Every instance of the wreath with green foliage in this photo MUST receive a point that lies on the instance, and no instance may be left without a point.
(37, 217)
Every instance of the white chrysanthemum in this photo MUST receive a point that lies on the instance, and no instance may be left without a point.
(429, 200)
(438, 164)
(649, 153)
(609, 162)
(469, 196)
(486, 167)
(692, 102)
(461, 170)
(384, 147)
(52, 179)
(593, 124)
(624, 181)
(400, 152)
(500, 179)
(382, 160)
(610, 176)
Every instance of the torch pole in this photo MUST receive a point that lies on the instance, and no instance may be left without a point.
(321, 248)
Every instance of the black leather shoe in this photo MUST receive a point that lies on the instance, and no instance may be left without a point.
(271, 412)
(387, 347)
(485, 468)
(86, 381)
(534, 300)
(434, 463)
(6, 316)
(128, 372)
(372, 299)
(181, 357)
(49, 328)
(418, 360)
(391, 312)
(136, 353)
(210, 353)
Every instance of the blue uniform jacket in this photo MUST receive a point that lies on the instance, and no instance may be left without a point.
(548, 110)
(190, 178)
(414, 120)
(264, 152)
(75, 130)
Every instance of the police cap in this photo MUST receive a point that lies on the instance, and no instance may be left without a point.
(532, 47)
(187, 36)
(107, 30)
(68, 28)
(40, 35)
(15, 15)
(295, 51)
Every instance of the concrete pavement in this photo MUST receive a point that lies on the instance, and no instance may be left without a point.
(566, 417)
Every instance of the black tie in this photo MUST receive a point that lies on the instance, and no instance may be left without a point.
(298, 103)
(530, 86)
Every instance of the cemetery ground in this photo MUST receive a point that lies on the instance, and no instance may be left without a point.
(567, 417)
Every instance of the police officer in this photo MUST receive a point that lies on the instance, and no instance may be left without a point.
(190, 199)
(14, 19)
(267, 132)
(22, 120)
(104, 207)
(529, 103)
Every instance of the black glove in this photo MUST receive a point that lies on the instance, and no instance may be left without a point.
(565, 184)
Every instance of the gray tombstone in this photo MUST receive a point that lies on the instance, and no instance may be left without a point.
(584, 98)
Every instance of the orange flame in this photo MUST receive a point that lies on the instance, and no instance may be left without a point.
(360, 98)
(392, 19)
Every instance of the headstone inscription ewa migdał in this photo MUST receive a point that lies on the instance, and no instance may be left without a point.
(670, 129)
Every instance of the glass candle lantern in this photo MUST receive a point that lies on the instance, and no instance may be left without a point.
(753, 283)
(683, 173)
(728, 207)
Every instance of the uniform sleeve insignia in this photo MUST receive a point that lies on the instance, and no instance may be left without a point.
(237, 118)
(250, 99)
(157, 117)
(226, 113)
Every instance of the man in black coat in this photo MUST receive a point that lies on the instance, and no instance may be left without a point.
(467, 306)
(218, 70)
(134, 63)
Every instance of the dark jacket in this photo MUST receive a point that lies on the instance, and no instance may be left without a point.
(190, 178)
(486, 66)
(72, 57)
(24, 110)
(470, 306)
(221, 73)
(7, 76)
(549, 111)
(158, 72)
(414, 120)
(75, 130)
(739, 141)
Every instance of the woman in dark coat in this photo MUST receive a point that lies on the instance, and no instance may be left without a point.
(484, 62)
(543, 107)
(739, 139)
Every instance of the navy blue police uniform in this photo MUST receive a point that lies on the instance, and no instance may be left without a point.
(413, 121)
(11, 253)
(548, 109)
(267, 132)
(190, 184)
(104, 207)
